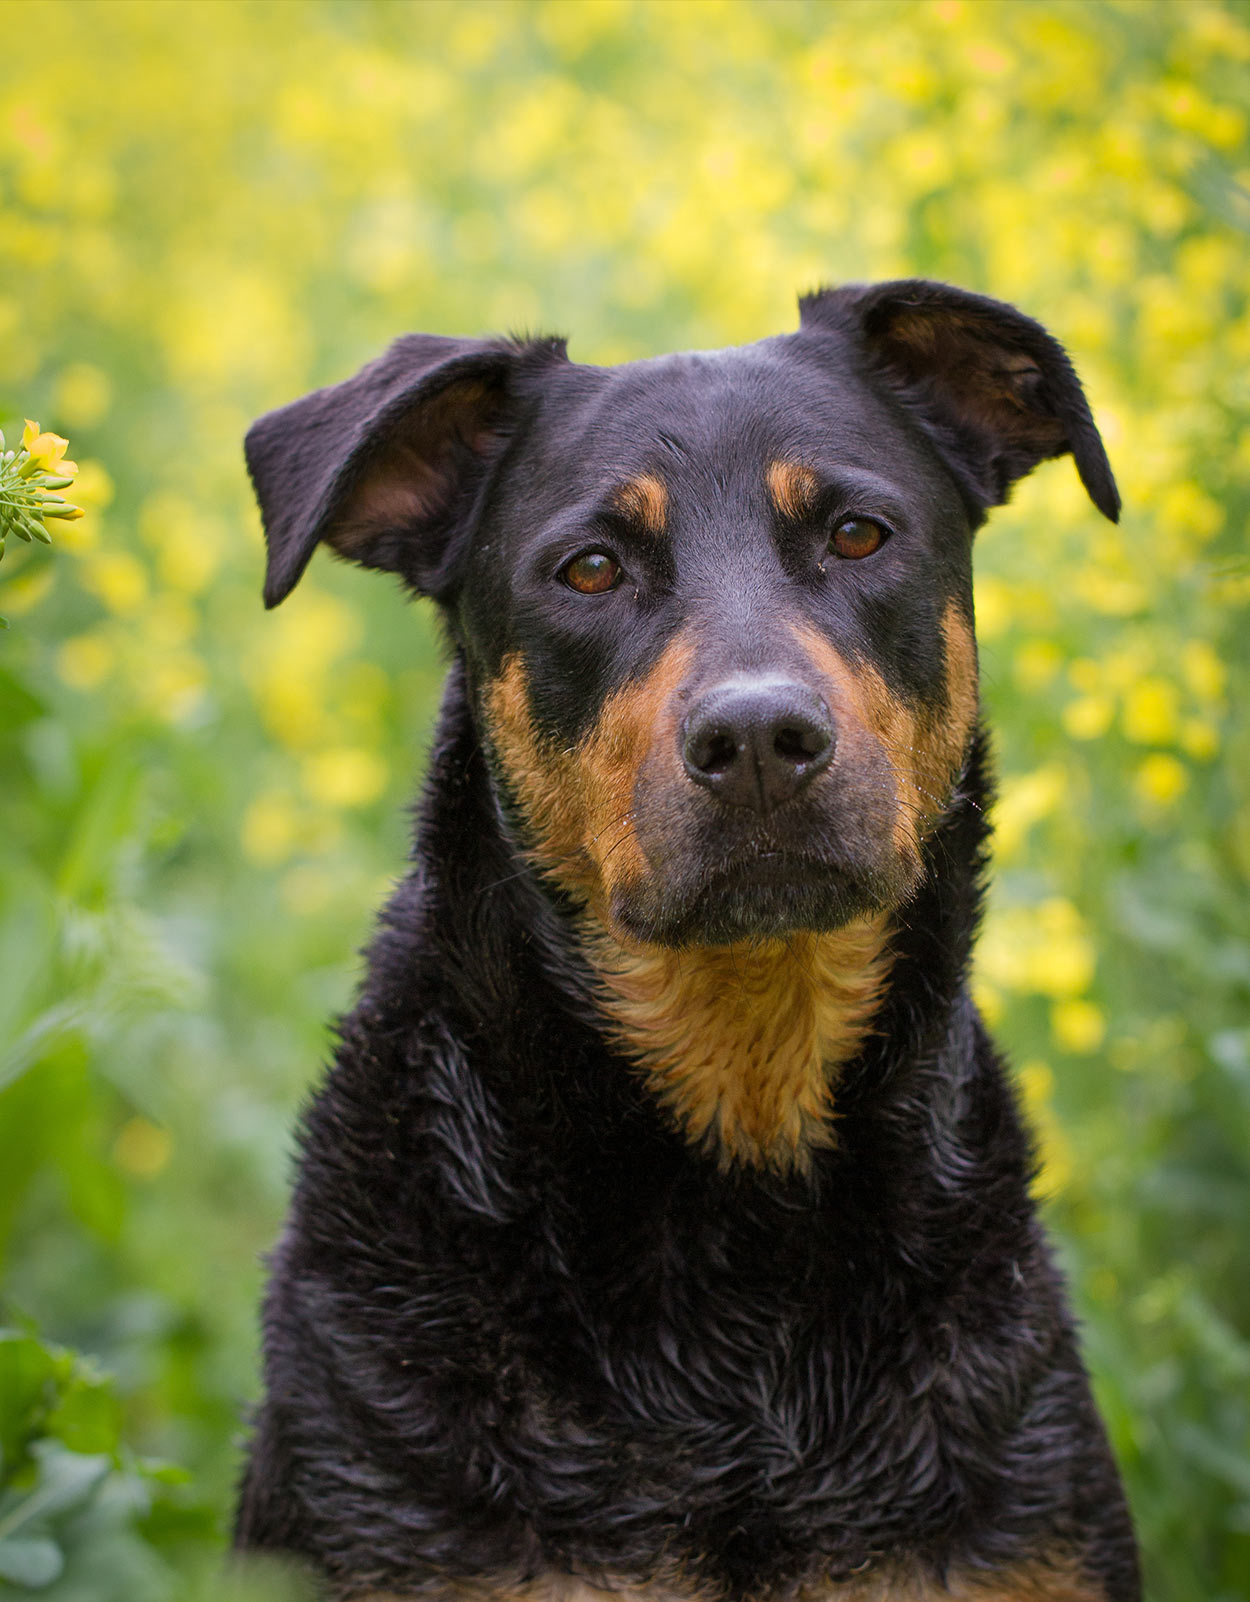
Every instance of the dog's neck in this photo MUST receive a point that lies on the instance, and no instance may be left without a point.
(741, 1043)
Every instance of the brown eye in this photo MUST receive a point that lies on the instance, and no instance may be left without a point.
(593, 573)
(857, 537)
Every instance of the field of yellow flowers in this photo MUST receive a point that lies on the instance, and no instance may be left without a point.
(205, 210)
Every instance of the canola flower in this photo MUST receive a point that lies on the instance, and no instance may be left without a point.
(31, 481)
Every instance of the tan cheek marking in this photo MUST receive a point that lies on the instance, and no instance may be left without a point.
(579, 802)
(924, 753)
(739, 1042)
(941, 738)
(793, 488)
(963, 688)
(541, 777)
(871, 722)
(644, 500)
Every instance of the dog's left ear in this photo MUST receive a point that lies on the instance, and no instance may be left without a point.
(997, 392)
(386, 467)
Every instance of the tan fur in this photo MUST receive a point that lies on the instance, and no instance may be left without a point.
(1031, 1582)
(740, 1042)
(579, 802)
(793, 488)
(644, 499)
(924, 753)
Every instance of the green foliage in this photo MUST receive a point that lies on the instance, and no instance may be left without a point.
(206, 210)
(78, 1513)
(31, 480)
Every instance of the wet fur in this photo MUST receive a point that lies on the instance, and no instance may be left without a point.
(631, 1254)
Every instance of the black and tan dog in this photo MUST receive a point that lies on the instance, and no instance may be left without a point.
(663, 1227)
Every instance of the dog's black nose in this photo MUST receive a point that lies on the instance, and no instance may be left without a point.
(756, 741)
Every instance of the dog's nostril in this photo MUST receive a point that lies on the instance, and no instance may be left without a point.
(800, 743)
(714, 753)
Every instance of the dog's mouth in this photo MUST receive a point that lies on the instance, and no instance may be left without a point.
(708, 874)
(762, 894)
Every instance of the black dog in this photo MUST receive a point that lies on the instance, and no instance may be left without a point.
(664, 1226)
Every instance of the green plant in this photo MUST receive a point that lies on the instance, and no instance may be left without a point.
(30, 483)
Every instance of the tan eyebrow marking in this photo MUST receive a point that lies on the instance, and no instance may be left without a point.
(793, 488)
(644, 499)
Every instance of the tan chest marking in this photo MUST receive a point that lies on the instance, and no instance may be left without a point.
(1060, 1581)
(1031, 1582)
(740, 1042)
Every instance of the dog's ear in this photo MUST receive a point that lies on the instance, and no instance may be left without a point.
(386, 466)
(997, 392)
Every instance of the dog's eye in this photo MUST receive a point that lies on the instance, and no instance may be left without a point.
(856, 537)
(592, 573)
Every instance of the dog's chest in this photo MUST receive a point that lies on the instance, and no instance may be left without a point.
(736, 1404)
(1042, 1581)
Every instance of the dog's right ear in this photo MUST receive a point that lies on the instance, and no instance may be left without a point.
(386, 466)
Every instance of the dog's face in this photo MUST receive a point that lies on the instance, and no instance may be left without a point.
(716, 608)
(718, 614)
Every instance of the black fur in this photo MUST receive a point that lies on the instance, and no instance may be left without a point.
(517, 1326)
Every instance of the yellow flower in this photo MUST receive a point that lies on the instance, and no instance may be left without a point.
(86, 660)
(1037, 1083)
(142, 1149)
(47, 451)
(270, 828)
(1088, 717)
(1161, 780)
(348, 776)
(1150, 712)
(1078, 1025)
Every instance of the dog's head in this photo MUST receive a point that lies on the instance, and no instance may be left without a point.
(716, 608)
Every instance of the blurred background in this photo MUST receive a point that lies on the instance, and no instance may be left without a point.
(205, 210)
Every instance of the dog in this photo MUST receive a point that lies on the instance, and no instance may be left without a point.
(663, 1228)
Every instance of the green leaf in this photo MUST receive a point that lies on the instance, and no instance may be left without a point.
(88, 1416)
(31, 1561)
(27, 1380)
(66, 1480)
(18, 704)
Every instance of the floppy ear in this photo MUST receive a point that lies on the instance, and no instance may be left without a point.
(997, 392)
(386, 466)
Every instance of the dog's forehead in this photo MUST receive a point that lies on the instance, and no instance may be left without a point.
(727, 413)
